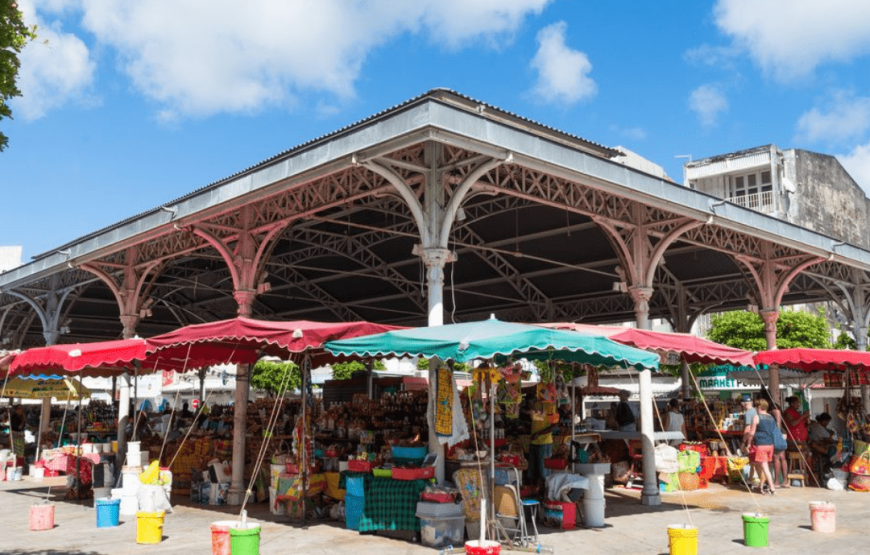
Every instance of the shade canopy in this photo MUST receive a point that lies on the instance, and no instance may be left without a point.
(811, 360)
(104, 358)
(687, 347)
(493, 338)
(243, 340)
(45, 387)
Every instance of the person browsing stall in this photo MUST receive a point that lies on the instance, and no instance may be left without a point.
(750, 419)
(625, 418)
(675, 422)
(763, 441)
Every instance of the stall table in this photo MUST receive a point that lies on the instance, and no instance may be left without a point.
(389, 504)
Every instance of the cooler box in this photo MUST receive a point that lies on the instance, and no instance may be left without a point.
(441, 524)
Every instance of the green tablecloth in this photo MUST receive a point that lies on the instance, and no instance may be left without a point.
(391, 505)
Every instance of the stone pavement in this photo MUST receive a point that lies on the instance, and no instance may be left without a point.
(631, 528)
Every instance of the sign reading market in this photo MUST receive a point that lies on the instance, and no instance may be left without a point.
(717, 379)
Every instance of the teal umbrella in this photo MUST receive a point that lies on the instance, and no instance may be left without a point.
(495, 339)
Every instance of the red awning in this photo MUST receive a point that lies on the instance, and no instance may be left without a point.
(242, 340)
(105, 358)
(811, 360)
(688, 347)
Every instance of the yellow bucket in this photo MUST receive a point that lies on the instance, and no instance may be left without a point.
(114, 446)
(683, 540)
(149, 527)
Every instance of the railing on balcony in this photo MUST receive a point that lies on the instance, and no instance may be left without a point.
(761, 202)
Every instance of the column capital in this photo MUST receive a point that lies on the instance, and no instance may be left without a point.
(640, 294)
(435, 256)
(129, 321)
(769, 316)
(245, 299)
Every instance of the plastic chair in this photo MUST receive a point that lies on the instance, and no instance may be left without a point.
(509, 515)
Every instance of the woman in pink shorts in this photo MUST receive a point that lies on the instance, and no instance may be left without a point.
(763, 441)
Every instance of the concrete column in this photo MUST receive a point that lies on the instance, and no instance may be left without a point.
(686, 385)
(650, 495)
(237, 486)
(435, 259)
(770, 317)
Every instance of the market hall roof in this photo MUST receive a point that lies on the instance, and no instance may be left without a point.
(538, 237)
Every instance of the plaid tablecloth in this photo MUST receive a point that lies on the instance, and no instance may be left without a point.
(366, 476)
(391, 505)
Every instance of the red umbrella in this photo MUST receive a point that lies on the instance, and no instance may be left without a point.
(811, 360)
(243, 340)
(690, 348)
(104, 358)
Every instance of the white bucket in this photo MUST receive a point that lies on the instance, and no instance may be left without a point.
(37, 473)
(13, 474)
(88, 448)
(144, 458)
(134, 458)
(129, 505)
(117, 493)
(130, 483)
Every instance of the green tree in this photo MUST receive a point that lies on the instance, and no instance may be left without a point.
(423, 364)
(14, 34)
(345, 370)
(794, 328)
(269, 376)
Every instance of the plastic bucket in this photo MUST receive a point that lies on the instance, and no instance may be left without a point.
(823, 516)
(245, 539)
(37, 473)
(129, 505)
(755, 529)
(108, 512)
(13, 474)
(682, 539)
(149, 527)
(114, 446)
(220, 537)
(486, 547)
(41, 517)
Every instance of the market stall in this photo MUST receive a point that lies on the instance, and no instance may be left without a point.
(500, 345)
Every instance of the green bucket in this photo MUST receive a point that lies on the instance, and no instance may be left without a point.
(755, 529)
(245, 539)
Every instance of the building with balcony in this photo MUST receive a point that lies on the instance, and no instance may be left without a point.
(805, 188)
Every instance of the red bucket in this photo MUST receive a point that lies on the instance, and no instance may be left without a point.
(474, 547)
(41, 517)
(220, 537)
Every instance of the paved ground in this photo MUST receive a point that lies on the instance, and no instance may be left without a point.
(631, 528)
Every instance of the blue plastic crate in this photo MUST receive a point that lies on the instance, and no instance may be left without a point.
(356, 486)
(353, 508)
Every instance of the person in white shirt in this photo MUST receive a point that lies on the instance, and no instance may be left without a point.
(675, 422)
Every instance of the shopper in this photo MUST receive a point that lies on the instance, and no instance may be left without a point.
(750, 419)
(763, 441)
(780, 465)
(625, 418)
(675, 422)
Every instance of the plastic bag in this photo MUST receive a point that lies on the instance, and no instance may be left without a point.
(834, 485)
(150, 475)
(666, 459)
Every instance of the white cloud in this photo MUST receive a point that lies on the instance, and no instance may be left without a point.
(634, 133)
(857, 163)
(194, 59)
(563, 73)
(708, 101)
(847, 116)
(55, 69)
(789, 39)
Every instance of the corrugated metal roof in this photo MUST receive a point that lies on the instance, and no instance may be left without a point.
(438, 94)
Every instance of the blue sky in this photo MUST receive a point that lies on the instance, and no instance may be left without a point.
(128, 105)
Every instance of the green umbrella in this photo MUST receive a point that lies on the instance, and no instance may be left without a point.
(495, 339)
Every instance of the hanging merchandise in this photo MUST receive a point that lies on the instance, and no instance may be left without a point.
(509, 390)
(444, 402)
(546, 393)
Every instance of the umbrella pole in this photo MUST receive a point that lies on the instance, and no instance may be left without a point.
(44, 416)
